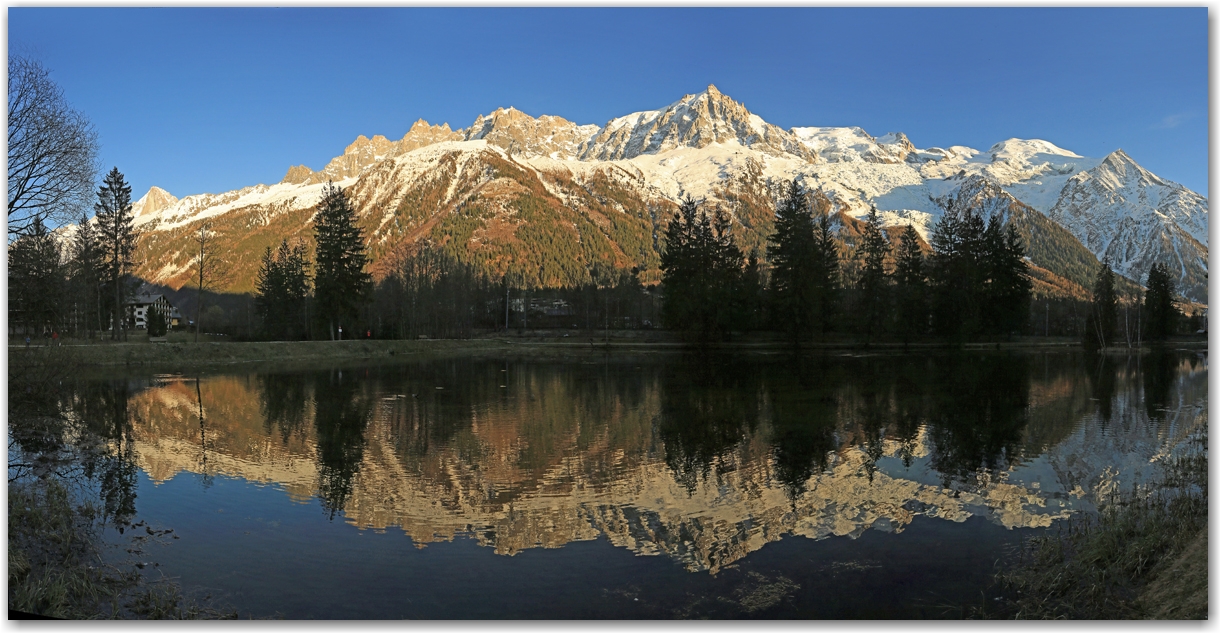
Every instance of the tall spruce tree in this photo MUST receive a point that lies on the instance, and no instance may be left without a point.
(910, 287)
(1007, 290)
(791, 253)
(341, 285)
(825, 272)
(36, 280)
(681, 276)
(701, 272)
(85, 269)
(957, 274)
(1160, 315)
(282, 292)
(754, 293)
(727, 281)
(1102, 320)
(874, 282)
(117, 237)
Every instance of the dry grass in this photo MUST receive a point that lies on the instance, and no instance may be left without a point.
(57, 568)
(1144, 555)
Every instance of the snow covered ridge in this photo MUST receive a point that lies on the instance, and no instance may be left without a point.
(698, 143)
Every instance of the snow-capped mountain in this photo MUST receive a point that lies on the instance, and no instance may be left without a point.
(1123, 212)
(710, 146)
(694, 121)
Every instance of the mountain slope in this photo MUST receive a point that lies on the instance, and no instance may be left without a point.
(549, 198)
(1047, 244)
(1124, 212)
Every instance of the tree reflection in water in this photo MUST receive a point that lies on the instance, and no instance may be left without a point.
(340, 418)
(523, 452)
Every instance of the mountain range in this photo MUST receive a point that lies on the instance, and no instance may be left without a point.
(545, 199)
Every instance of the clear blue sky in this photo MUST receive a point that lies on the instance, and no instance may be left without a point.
(208, 100)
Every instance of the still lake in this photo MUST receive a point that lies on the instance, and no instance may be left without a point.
(632, 486)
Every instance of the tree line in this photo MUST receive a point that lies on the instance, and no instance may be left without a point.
(813, 280)
(814, 286)
(1116, 321)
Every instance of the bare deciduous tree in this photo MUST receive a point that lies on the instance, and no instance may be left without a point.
(52, 151)
(210, 270)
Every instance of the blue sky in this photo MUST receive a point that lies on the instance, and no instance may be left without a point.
(213, 99)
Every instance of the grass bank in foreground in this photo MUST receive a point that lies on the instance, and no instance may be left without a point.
(56, 566)
(1143, 556)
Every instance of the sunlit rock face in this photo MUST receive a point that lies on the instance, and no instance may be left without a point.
(662, 466)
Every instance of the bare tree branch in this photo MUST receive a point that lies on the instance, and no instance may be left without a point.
(52, 151)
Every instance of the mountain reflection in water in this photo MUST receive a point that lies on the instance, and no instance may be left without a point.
(700, 459)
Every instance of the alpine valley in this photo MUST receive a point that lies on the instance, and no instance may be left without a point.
(547, 200)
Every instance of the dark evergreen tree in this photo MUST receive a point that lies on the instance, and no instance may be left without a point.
(910, 287)
(156, 322)
(1102, 320)
(825, 272)
(753, 300)
(36, 280)
(341, 285)
(1007, 285)
(702, 268)
(791, 253)
(282, 292)
(727, 285)
(957, 274)
(1160, 315)
(85, 269)
(117, 237)
(873, 284)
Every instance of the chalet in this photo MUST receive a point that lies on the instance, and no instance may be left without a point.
(138, 306)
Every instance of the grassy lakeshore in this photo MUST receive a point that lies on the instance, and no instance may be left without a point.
(181, 352)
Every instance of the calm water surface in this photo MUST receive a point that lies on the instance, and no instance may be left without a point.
(613, 486)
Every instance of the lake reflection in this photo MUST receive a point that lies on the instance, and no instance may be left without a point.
(702, 460)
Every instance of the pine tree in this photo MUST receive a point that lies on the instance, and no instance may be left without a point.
(1160, 315)
(753, 298)
(910, 287)
(727, 284)
(341, 284)
(1006, 294)
(958, 273)
(824, 273)
(117, 237)
(1102, 320)
(282, 292)
(702, 272)
(156, 322)
(679, 266)
(85, 269)
(874, 282)
(790, 251)
(36, 280)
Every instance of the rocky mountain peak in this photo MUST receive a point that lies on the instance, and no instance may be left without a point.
(1122, 211)
(422, 134)
(155, 200)
(298, 174)
(519, 133)
(694, 121)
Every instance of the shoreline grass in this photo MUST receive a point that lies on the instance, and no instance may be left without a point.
(57, 565)
(182, 353)
(1142, 556)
